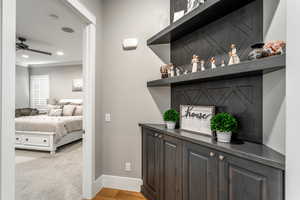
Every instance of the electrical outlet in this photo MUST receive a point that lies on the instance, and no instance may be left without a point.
(128, 166)
(107, 117)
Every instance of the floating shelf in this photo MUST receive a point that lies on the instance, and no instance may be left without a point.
(247, 68)
(204, 14)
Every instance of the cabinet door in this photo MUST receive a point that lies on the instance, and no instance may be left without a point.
(241, 179)
(171, 168)
(200, 172)
(150, 169)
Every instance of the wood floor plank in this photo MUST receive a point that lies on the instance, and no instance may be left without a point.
(113, 194)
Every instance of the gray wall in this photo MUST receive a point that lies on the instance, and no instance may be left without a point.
(60, 80)
(125, 74)
(22, 87)
(274, 105)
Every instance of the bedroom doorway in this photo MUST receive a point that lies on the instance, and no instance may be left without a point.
(39, 97)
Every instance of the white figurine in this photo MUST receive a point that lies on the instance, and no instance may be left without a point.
(195, 62)
(185, 72)
(213, 63)
(177, 72)
(172, 71)
(202, 1)
(223, 63)
(234, 58)
(202, 62)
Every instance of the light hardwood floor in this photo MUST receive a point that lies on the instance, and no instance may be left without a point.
(112, 194)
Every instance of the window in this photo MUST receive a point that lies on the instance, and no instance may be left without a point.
(39, 92)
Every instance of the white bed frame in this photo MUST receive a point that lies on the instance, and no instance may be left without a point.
(44, 141)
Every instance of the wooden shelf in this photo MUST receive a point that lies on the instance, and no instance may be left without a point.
(204, 14)
(261, 66)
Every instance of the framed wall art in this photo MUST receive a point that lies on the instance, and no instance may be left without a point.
(77, 85)
(196, 118)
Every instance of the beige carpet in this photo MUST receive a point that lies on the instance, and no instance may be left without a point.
(40, 176)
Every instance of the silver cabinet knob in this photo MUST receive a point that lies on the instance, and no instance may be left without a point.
(221, 157)
(212, 154)
(160, 136)
(156, 134)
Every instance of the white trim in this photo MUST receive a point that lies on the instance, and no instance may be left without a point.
(56, 64)
(118, 182)
(81, 10)
(7, 101)
(7, 97)
(89, 50)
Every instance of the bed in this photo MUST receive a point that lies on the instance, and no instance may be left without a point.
(47, 133)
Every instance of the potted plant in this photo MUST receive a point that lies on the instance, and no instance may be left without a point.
(171, 117)
(224, 124)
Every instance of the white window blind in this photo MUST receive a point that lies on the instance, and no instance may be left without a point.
(39, 92)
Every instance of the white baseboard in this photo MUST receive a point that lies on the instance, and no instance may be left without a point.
(118, 182)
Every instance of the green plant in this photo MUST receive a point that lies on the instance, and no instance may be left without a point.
(224, 122)
(171, 115)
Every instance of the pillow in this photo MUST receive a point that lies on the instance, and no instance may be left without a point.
(68, 110)
(50, 107)
(78, 111)
(55, 112)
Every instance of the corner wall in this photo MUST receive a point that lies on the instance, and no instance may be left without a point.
(274, 93)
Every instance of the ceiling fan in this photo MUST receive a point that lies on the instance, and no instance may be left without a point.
(22, 46)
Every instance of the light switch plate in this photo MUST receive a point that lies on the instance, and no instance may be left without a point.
(107, 117)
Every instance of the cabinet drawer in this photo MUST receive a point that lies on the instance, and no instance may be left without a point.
(36, 140)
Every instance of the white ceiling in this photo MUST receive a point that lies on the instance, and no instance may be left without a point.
(44, 33)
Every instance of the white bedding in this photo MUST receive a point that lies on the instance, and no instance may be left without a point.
(44, 123)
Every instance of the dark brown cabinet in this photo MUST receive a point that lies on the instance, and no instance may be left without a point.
(240, 179)
(171, 168)
(199, 173)
(151, 162)
(162, 166)
(175, 169)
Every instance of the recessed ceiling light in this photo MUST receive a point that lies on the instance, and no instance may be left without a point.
(67, 29)
(60, 53)
(25, 56)
(53, 16)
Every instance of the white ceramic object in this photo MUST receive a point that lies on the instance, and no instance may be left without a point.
(170, 125)
(224, 136)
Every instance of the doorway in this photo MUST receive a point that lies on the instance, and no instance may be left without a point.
(8, 61)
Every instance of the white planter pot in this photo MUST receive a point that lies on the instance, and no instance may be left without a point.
(170, 125)
(224, 137)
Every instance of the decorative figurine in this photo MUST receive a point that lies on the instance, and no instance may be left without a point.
(164, 70)
(223, 63)
(185, 72)
(202, 67)
(234, 58)
(177, 71)
(213, 62)
(273, 48)
(195, 62)
(201, 1)
(172, 72)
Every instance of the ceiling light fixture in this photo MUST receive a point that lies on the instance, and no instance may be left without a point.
(60, 53)
(67, 29)
(53, 16)
(25, 56)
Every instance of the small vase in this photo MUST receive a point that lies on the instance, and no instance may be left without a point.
(224, 136)
(170, 125)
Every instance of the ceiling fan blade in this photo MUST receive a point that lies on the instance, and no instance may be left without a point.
(38, 51)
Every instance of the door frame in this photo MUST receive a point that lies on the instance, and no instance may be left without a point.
(7, 96)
